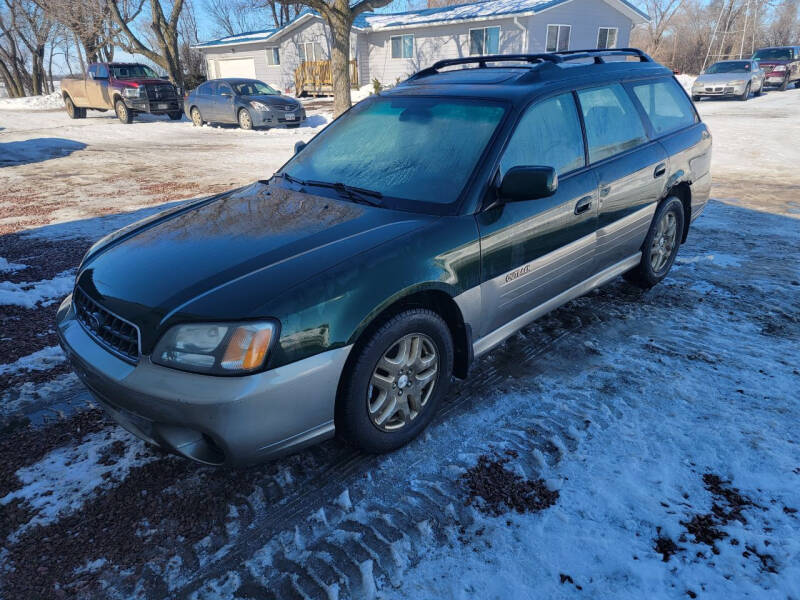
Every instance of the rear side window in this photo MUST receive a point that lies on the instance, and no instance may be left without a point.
(666, 105)
(204, 90)
(612, 122)
(548, 135)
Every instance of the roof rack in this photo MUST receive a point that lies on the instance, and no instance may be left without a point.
(534, 59)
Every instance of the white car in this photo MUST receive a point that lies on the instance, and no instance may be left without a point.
(730, 78)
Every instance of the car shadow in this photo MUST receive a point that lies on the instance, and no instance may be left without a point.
(36, 150)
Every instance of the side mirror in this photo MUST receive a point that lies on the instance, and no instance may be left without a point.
(298, 146)
(528, 183)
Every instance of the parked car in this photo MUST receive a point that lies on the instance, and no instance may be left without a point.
(413, 234)
(781, 65)
(128, 88)
(731, 78)
(248, 102)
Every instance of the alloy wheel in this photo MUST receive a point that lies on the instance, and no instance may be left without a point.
(664, 241)
(402, 382)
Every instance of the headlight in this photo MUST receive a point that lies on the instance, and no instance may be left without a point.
(131, 92)
(779, 68)
(216, 348)
(259, 106)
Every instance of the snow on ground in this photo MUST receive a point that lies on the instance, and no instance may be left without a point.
(52, 101)
(628, 404)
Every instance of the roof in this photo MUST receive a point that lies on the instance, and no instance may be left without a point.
(472, 11)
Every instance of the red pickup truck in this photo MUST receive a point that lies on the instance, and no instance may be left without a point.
(128, 88)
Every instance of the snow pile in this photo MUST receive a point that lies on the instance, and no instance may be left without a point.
(44, 359)
(686, 81)
(9, 267)
(46, 291)
(50, 102)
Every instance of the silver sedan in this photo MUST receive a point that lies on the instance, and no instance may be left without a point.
(730, 78)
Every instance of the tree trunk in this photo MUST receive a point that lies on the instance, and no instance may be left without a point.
(340, 21)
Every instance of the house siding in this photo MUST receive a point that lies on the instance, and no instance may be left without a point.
(585, 17)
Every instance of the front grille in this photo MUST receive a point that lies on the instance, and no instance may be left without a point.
(161, 92)
(115, 334)
(289, 108)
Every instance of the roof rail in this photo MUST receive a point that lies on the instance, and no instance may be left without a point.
(549, 57)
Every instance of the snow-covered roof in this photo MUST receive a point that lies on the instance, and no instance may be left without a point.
(472, 11)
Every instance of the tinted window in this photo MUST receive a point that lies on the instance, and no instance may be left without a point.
(93, 70)
(418, 149)
(253, 88)
(223, 88)
(729, 67)
(666, 105)
(549, 135)
(102, 71)
(773, 54)
(612, 123)
(204, 90)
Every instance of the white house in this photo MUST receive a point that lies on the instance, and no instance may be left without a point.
(392, 46)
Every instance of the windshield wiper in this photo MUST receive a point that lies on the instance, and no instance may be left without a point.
(354, 193)
(288, 177)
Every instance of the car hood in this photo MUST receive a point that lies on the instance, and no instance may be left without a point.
(721, 78)
(274, 100)
(247, 246)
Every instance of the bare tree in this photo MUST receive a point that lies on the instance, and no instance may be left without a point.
(25, 34)
(339, 14)
(231, 17)
(164, 28)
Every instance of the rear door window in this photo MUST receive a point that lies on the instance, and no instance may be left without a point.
(666, 105)
(548, 135)
(612, 122)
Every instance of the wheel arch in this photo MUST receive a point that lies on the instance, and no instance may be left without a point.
(430, 297)
(683, 191)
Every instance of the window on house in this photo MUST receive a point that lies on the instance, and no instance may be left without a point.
(402, 46)
(485, 40)
(558, 38)
(273, 57)
(607, 37)
(311, 51)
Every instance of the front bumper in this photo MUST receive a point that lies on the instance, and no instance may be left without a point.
(718, 90)
(274, 117)
(156, 107)
(775, 79)
(213, 420)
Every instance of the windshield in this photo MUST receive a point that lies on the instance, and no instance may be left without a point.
(729, 67)
(130, 71)
(773, 54)
(419, 149)
(252, 88)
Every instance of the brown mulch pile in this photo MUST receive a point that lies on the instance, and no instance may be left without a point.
(26, 330)
(45, 258)
(496, 490)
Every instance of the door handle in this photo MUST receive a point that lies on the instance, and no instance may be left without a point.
(583, 205)
(660, 170)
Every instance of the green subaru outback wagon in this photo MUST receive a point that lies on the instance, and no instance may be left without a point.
(416, 232)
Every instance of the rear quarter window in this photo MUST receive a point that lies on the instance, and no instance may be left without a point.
(666, 105)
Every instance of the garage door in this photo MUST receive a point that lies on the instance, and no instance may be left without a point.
(237, 67)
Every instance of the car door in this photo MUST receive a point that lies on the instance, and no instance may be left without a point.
(631, 171)
(224, 103)
(98, 90)
(532, 250)
(203, 99)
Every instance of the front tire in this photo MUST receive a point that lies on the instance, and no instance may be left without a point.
(661, 244)
(73, 111)
(176, 115)
(124, 114)
(245, 120)
(695, 98)
(396, 381)
(745, 94)
(784, 85)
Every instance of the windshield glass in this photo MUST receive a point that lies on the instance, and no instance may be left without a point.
(129, 71)
(252, 88)
(773, 54)
(729, 67)
(420, 149)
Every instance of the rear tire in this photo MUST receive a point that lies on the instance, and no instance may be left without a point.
(176, 115)
(660, 246)
(245, 120)
(784, 85)
(73, 111)
(393, 387)
(124, 114)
